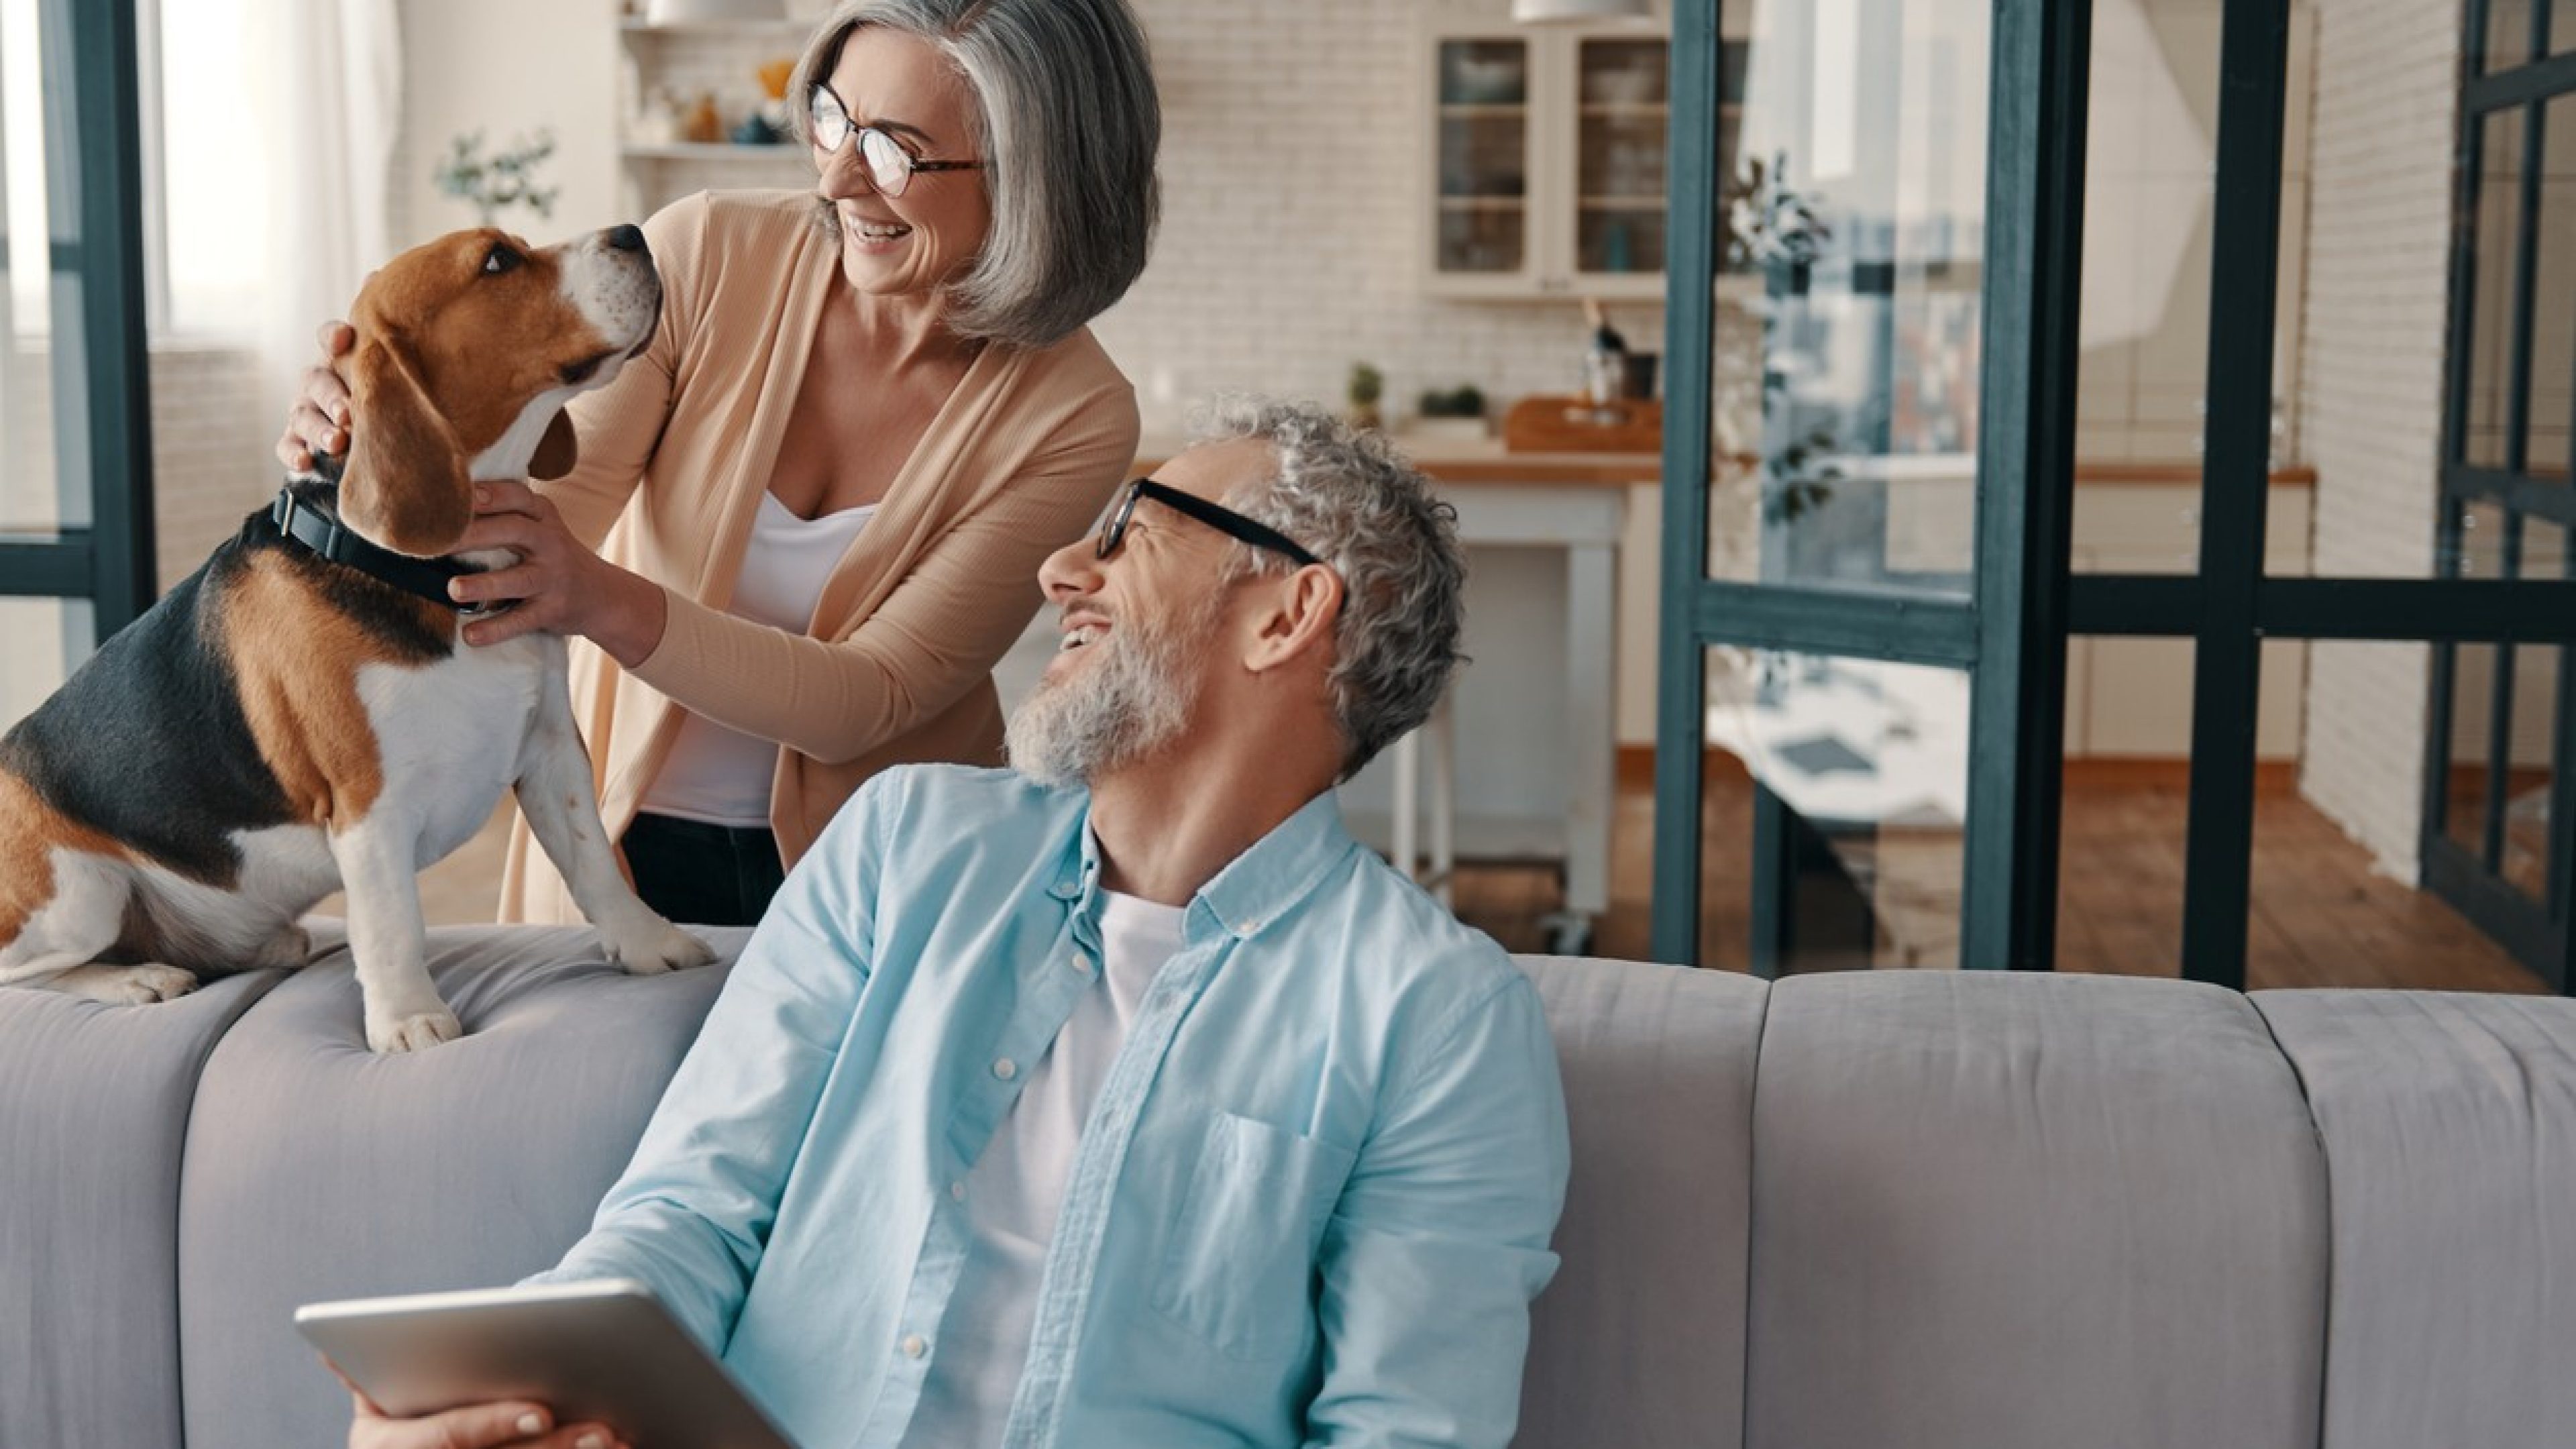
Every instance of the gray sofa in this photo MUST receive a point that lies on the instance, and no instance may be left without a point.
(1904, 1209)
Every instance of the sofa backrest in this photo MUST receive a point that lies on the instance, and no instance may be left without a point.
(94, 1106)
(1640, 1339)
(1917, 1209)
(318, 1169)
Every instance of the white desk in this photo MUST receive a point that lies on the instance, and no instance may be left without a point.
(1587, 522)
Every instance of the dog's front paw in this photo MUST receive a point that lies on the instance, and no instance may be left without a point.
(412, 1031)
(652, 947)
(127, 985)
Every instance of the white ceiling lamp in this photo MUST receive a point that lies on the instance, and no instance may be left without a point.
(1549, 12)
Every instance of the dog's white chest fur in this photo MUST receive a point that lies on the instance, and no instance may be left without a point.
(454, 735)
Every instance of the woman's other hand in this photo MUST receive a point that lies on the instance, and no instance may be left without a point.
(318, 422)
(558, 584)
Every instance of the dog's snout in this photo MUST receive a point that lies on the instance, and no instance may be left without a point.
(626, 238)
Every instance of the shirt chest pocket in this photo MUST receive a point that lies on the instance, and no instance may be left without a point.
(1239, 1267)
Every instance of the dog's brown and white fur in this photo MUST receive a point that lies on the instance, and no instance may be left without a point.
(281, 726)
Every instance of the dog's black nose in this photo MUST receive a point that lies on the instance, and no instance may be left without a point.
(628, 238)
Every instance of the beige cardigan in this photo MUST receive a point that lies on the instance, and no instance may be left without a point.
(674, 458)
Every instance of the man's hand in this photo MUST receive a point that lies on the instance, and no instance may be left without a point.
(477, 1426)
(319, 420)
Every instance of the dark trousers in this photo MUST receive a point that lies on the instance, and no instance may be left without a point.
(700, 874)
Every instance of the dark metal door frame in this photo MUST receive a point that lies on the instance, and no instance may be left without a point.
(101, 376)
(2013, 633)
(2540, 933)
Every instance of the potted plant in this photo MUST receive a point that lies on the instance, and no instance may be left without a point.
(496, 183)
(1367, 386)
(1458, 412)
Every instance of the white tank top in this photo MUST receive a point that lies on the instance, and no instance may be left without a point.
(721, 776)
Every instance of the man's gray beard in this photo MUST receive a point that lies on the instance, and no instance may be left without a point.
(1121, 707)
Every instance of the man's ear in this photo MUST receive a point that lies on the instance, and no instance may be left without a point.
(557, 451)
(405, 486)
(1296, 618)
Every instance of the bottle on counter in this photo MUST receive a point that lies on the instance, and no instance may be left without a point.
(1605, 361)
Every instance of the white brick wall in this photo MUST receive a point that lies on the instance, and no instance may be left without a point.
(2379, 240)
(1292, 146)
(211, 434)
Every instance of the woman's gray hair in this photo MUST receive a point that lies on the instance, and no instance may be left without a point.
(1359, 505)
(1068, 128)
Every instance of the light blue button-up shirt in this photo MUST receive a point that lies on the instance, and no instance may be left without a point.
(1311, 1204)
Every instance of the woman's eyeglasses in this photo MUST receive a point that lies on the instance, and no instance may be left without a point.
(1217, 516)
(889, 165)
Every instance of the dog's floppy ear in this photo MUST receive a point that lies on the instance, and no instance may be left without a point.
(405, 487)
(557, 451)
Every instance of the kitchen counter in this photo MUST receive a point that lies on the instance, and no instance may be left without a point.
(1483, 460)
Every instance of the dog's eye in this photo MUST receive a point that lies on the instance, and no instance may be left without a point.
(498, 260)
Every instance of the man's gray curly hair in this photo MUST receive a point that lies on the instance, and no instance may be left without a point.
(1359, 505)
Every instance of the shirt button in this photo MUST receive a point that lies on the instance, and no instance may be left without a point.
(957, 1191)
(1006, 1069)
(1081, 965)
(914, 1345)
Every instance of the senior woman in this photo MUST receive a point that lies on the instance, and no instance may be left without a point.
(807, 521)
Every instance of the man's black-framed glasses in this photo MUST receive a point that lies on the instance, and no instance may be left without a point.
(888, 164)
(1215, 515)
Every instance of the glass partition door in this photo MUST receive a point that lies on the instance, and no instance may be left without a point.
(1856, 579)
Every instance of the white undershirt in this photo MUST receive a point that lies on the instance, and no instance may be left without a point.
(719, 775)
(1014, 1193)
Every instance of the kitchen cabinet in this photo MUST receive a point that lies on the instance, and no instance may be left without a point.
(667, 68)
(1547, 159)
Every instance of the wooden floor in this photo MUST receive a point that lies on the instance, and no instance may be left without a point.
(2322, 916)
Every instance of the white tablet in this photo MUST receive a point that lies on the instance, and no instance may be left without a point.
(605, 1352)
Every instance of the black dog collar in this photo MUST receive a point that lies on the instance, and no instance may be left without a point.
(322, 533)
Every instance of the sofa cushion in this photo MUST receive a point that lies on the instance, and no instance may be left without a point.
(93, 1111)
(1994, 1211)
(2449, 1123)
(1640, 1340)
(319, 1169)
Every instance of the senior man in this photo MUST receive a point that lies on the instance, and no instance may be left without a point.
(1124, 1099)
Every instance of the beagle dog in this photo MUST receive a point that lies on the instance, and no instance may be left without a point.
(302, 715)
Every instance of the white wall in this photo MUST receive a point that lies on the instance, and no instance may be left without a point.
(2149, 193)
(2379, 238)
(509, 68)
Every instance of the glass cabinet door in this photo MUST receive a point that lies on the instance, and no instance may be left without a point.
(1484, 156)
(1621, 94)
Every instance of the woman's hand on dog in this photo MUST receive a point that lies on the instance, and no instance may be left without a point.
(476, 1426)
(558, 584)
(318, 422)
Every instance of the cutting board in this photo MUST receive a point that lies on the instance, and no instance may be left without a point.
(1549, 423)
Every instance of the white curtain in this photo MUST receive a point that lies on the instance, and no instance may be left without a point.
(331, 107)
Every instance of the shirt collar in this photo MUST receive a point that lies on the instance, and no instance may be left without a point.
(1254, 889)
